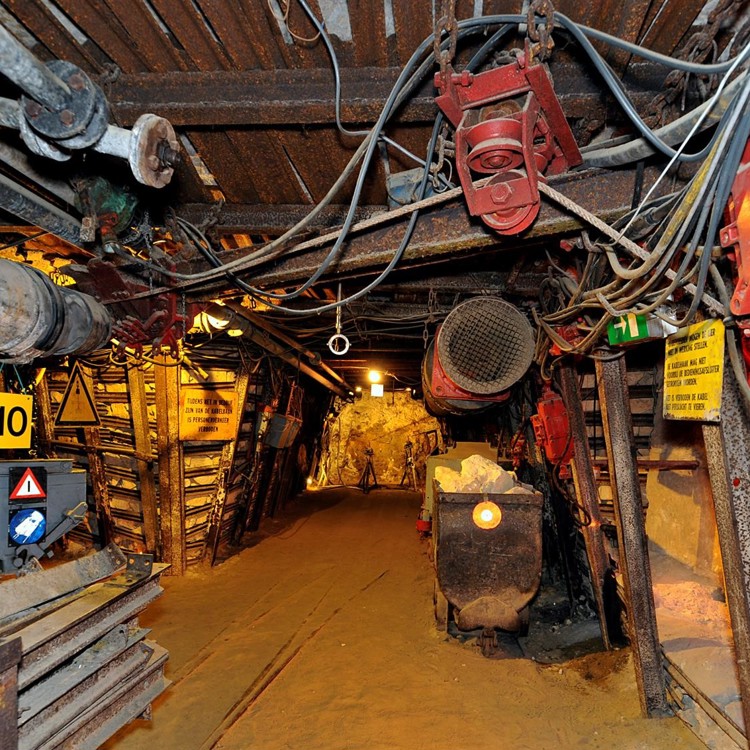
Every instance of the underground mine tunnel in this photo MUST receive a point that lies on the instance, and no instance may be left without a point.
(374, 374)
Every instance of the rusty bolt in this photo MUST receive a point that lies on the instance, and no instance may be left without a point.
(153, 162)
(33, 109)
(76, 82)
(67, 117)
(501, 193)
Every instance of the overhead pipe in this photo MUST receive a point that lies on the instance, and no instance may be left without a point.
(40, 319)
(29, 74)
(263, 339)
(314, 357)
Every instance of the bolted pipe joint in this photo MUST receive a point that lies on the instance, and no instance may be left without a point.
(40, 319)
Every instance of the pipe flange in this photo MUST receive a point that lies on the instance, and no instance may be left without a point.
(38, 145)
(80, 104)
(333, 344)
(154, 151)
(94, 130)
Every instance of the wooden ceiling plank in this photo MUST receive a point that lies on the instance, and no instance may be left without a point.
(311, 54)
(100, 24)
(220, 156)
(267, 166)
(670, 25)
(269, 47)
(52, 34)
(621, 20)
(413, 24)
(317, 155)
(367, 19)
(234, 30)
(191, 31)
(157, 50)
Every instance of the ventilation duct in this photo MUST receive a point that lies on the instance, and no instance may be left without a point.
(484, 346)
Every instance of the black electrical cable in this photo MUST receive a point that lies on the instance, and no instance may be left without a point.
(482, 22)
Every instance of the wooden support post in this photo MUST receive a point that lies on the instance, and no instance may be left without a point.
(143, 448)
(213, 535)
(97, 472)
(588, 496)
(171, 483)
(45, 423)
(729, 471)
(631, 534)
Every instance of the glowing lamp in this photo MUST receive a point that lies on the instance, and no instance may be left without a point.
(374, 376)
(487, 515)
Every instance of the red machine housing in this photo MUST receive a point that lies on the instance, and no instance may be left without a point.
(736, 235)
(552, 428)
(509, 124)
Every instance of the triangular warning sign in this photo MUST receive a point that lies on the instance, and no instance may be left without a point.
(77, 407)
(29, 488)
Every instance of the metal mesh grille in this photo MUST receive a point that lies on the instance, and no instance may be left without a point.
(485, 345)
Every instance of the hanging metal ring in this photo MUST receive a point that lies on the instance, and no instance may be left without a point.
(333, 345)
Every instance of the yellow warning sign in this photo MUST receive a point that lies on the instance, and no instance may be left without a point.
(15, 420)
(77, 407)
(208, 414)
(693, 368)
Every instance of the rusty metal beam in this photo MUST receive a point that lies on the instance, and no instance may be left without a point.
(631, 535)
(171, 484)
(588, 496)
(444, 232)
(271, 219)
(142, 440)
(10, 656)
(305, 95)
(729, 471)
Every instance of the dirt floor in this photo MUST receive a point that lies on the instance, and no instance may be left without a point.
(321, 637)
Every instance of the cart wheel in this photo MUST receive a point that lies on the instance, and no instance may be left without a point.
(441, 609)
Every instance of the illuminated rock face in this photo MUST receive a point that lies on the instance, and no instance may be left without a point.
(384, 425)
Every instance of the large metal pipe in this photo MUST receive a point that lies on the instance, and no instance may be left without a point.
(40, 319)
(38, 81)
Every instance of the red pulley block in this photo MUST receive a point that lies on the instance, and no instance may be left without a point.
(508, 123)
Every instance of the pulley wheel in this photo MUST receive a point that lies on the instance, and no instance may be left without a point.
(515, 219)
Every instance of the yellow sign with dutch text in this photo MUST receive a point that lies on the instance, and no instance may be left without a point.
(207, 414)
(693, 370)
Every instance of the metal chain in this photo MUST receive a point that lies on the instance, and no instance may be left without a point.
(446, 23)
(445, 147)
(540, 33)
(702, 44)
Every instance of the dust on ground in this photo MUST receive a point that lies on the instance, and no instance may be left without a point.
(321, 637)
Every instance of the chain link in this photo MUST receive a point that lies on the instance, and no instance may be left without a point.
(446, 23)
(699, 48)
(540, 33)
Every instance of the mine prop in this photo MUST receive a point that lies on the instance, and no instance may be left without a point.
(509, 124)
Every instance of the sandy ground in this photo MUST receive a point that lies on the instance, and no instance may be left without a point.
(321, 637)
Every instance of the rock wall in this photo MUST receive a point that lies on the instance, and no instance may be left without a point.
(384, 425)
